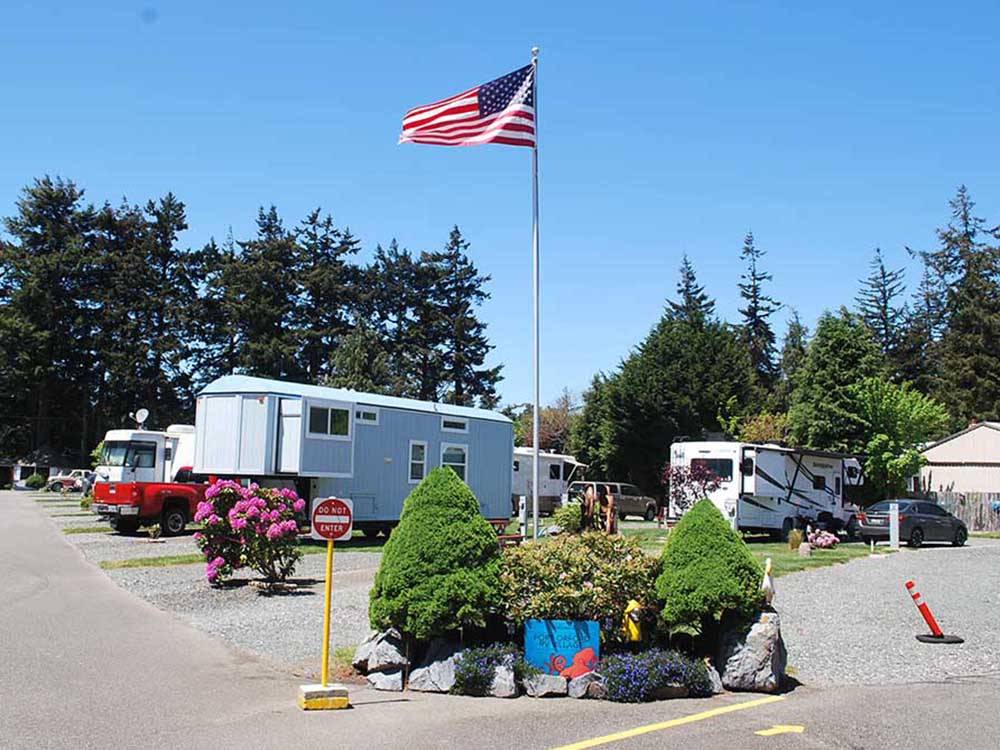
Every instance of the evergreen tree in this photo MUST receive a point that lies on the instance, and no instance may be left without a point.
(793, 354)
(877, 306)
(756, 330)
(360, 363)
(460, 335)
(970, 345)
(916, 361)
(693, 305)
(329, 290)
(823, 414)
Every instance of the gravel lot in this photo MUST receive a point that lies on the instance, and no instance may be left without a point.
(856, 623)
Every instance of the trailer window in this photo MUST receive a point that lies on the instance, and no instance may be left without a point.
(418, 461)
(554, 471)
(454, 424)
(567, 471)
(721, 467)
(819, 482)
(329, 421)
(455, 456)
(366, 416)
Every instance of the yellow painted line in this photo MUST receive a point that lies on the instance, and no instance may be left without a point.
(782, 729)
(711, 713)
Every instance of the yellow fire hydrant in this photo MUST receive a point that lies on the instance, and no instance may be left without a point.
(631, 623)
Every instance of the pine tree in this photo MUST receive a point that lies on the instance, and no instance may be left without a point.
(460, 335)
(693, 305)
(793, 354)
(970, 346)
(360, 363)
(329, 290)
(916, 361)
(877, 306)
(756, 330)
(823, 413)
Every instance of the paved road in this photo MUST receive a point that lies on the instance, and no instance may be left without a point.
(87, 665)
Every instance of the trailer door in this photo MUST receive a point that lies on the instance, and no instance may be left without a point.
(289, 435)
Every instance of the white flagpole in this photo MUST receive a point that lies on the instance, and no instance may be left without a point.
(536, 416)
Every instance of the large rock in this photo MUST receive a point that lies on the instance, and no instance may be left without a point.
(392, 681)
(504, 685)
(363, 651)
(436, 673)
(579, 686)
(388, 652)
(545, 685)
(754, 659)
(597, 691)
(714, 678)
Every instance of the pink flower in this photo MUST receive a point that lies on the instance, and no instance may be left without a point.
(299, 505)
(274, 531)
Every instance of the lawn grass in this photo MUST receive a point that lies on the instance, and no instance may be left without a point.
(86, 529)
(985, 534)
(306, 547)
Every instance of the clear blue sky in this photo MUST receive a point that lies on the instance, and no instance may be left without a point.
(664, 127)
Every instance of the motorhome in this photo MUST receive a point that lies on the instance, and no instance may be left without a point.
(772, 489)
(369, 448)
(555, 472)
(146, 455)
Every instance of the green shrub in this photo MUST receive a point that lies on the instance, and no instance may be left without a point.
(35, 482)
(591, 576)
(708, 571)
(569, 518)
(86, 501)
(635, 678)
(440, 569)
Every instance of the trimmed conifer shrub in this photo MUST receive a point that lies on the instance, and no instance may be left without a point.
(707, 572)
(440, 568)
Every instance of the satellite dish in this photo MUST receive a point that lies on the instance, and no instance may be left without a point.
(141, 416)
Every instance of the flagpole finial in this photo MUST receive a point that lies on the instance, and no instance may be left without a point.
(534, 53)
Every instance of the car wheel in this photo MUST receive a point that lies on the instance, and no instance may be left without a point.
(853, 529)
(173, 521)
(916, 537)
(961, 536)
(650, 513)
(55, 487)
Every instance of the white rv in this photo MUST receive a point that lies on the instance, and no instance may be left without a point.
(555, 472)
(774, 489)
(146, 455)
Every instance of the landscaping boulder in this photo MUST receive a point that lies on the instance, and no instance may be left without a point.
(713, 677)
(545, 685)
(388, 652)
(504, 685)
(436, 673)
(805, 549)
(597, 691)
(579, 686)
(754, 659)
(392, 681)
(363, 651)
(666, 692)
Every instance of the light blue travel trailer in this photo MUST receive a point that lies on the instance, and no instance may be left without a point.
(335, 442)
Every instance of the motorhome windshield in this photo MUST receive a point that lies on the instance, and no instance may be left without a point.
(128, 453)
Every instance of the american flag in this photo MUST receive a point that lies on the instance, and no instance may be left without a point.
(501, 111)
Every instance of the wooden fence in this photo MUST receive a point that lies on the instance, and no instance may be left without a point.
(979, 510)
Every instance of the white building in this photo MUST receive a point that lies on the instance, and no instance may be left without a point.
(968, 461)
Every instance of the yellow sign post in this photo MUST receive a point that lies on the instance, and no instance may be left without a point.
(332, 519)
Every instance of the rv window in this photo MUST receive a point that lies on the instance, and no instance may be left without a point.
(418, 461)
(455, 456)
(329, 421)
(142, 455)
(567, 471)
(366, 416)
(454, 424)
(554, 471)
(721, 467)
(836, 485)
(746, 467)
(819, 482)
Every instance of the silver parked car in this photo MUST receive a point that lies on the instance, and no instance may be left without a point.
(919, 521)
(629, 498)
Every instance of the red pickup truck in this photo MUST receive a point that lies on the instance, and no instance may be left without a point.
(129, 505)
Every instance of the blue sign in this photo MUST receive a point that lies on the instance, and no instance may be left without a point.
(565, 647)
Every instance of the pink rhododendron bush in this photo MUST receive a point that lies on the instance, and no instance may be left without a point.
(252, 527)
(822, 539)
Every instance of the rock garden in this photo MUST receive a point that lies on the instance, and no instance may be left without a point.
(584, 615)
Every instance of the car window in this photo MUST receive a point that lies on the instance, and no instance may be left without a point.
(933, 510)
(630, 489)
(883, 507)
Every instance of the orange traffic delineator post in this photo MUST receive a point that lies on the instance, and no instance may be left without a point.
(936, 634)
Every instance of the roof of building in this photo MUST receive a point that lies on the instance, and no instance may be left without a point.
(970, 428)
(247, 384)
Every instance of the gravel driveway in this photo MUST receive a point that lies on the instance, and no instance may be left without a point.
(856, 623)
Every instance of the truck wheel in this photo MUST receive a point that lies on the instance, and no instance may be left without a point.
(173, 521)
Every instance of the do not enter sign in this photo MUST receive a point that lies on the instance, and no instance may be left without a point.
(333, 519)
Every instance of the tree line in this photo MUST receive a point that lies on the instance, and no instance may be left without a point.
(879, 377)
(103, 311)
